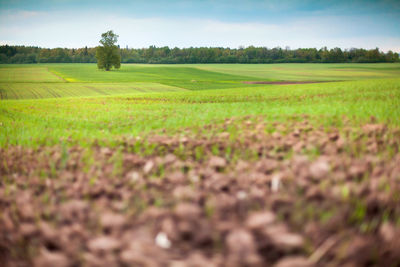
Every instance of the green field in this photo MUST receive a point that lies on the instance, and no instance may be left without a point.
(307, 72)
(141, 98)
(96, 167)
(54, 80)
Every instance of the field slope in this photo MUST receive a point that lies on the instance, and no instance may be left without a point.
(67, 80)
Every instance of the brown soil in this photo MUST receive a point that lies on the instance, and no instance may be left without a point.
(279, 194)
(283, 82)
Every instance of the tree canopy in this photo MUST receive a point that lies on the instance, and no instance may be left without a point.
(166, 55)
(108, 54)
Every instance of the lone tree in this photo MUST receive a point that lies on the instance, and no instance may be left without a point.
(108, 54)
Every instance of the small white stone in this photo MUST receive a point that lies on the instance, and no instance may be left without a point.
(148, 166)
(275, 183)
(162, 240)
(241, 195)
(194, 179)
(135, 177)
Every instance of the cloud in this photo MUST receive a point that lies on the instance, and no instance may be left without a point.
(26, 14)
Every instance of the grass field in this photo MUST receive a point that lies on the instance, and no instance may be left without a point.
(37, 79)
(59, 90)
(103, 165)
(301, 72)
(144, 101)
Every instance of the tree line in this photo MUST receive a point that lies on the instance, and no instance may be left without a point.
(166, 55)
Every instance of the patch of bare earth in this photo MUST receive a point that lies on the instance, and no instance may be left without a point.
(294, 195)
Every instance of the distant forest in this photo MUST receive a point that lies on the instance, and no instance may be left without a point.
(166, 55)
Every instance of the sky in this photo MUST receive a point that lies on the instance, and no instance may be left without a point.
(226, 23)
